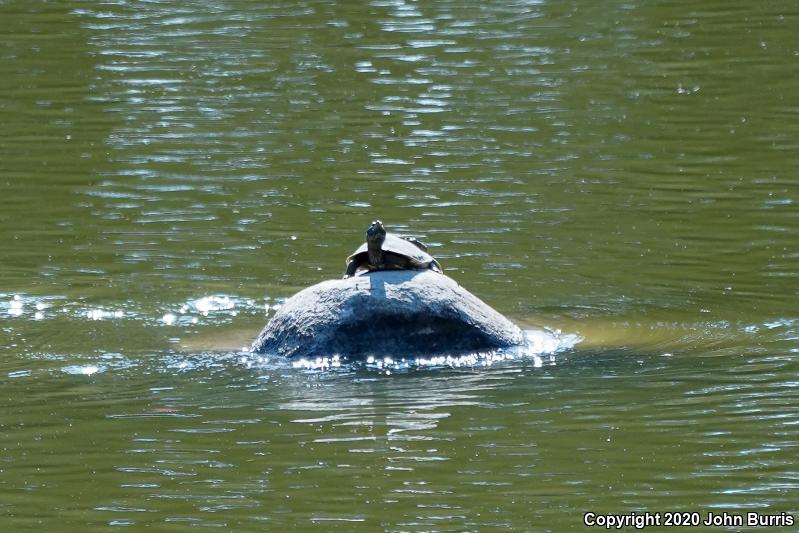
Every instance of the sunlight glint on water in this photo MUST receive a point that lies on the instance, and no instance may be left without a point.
(621, 175)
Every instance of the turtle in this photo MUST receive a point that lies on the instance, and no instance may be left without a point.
(385, 251)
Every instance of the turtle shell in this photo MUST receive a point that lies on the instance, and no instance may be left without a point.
(399, 246)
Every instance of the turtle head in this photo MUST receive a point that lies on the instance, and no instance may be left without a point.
(375, 236)
(376, 233)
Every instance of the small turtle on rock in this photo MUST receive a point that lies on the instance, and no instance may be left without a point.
(384, 251)
(405, 308)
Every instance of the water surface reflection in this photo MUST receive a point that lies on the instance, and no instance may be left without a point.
(170, 172)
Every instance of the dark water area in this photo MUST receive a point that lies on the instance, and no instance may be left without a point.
(620, 173)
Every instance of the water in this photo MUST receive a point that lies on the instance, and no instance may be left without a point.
(621, 172)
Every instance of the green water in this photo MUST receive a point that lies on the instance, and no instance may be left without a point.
(621, 171)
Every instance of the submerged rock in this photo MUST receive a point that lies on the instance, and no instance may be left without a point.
(388, 313)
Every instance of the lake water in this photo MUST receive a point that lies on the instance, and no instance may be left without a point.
(621, 172)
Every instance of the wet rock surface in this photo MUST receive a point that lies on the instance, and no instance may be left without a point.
(392, 313)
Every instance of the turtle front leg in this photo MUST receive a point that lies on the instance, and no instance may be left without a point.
(352, 266)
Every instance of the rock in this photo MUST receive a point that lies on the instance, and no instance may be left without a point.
(388, 313)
